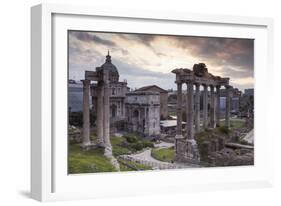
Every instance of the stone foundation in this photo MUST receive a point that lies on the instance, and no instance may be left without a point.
(187, 151)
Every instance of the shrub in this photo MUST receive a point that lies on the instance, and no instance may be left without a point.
(138, 145)
(131, 138)
(148, 144)
(224, 130)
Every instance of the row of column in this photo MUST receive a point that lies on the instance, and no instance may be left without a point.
(214, 108)
(103, 123)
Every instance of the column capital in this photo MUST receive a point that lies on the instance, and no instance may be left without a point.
(205, 85)
(179, 83)
(188, 82)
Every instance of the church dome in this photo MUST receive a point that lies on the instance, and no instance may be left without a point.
(111, 68)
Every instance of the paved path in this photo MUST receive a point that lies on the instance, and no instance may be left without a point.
(164, 145)
(145, 158)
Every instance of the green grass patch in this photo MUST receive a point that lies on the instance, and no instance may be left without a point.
(234, 123)
(164, 154)
(87, 161)
(94, 160)
(129, 144)
(119, 146)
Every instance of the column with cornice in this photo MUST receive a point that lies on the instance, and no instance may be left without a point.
(100, 106)
(218, 106)
(212, 107)
(227, 106)
(197, 108)
(86, 113)
(205, 107)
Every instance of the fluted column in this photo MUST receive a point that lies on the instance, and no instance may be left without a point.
(106, 126)
(197, 108)
(227, 107)
(218, 106)
(179, 110)
(205, 107)
(86, 113)
(99, 109)
(212, 107)
(189, 111)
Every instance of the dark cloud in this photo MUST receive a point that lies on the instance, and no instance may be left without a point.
(146, 38)
(237, 73)
(228, 52)
(85, 36)
(134, 70)
(235, 56)
(138, 77)
(220, 51)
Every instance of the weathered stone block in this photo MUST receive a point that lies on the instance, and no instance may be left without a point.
(221, 143)
(206, 149)
(214, 145)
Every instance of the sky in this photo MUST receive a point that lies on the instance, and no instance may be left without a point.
(145, 59)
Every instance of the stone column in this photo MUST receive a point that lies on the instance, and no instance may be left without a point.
(218, 106)
(106, 118)
(100, 139)
(227, 107)
(205, 107)
(179, 110)
(212, 108)
(86, 113)
(106, 122)
(179, 141)
(189, 112)
(197, 108)
(192, 153)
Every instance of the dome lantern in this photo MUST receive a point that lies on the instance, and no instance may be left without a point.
(111, 68)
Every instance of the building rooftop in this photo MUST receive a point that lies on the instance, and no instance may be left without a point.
(148, 87)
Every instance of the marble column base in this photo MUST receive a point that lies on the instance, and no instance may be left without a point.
(88, 146)
(187, 151)
(108, 151)
(100, 143)
(108, 154)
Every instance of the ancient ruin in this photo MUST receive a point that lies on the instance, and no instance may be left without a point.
(117, 92)
(143, 108)
(140, 112)
(185, 144)
(163, 98)
(103, 76)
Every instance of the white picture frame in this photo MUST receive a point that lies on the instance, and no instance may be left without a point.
(48, 178)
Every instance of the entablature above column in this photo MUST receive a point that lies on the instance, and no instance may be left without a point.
(199, 75)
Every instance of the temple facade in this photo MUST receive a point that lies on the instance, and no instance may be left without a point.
(193, 81)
